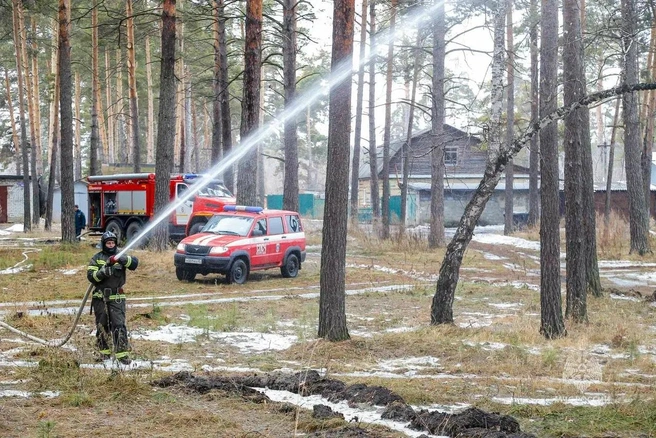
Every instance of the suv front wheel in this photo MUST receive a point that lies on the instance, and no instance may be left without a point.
(238, 272)
(184, 275)
(290, 268)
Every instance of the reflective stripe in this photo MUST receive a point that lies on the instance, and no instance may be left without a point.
(101, 262)
(129, 261)
(107, 352)
(92, 268)
(95, 277)
(122, 354)
(97, 294)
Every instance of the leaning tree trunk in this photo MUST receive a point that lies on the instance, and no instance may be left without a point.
(449, 271)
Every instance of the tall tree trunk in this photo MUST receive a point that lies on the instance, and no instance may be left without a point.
(247, 173)
(551, 315)
(110, 144)
(37, 147)
(66, 108)
(638, 216)
(589, 211)
(54, 129)
(373, 153)
(31, 111)
(164, 152)
(650, 113)
(290, 187)
(573, 87)
(95, 145)
(17, 17)
(355, 166)
(385, 204)
(216, 85)
(611, 160)
(132, 84)
(77, 153)
(332, 295)
(408, 142)
(510, 122)
(150, 129)
(436, 236)
(534, 151)
(14, 133)
(226, 124)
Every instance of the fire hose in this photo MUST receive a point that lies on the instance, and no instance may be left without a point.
(57, 342)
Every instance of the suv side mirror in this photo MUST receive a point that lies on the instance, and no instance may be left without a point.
(257, 233)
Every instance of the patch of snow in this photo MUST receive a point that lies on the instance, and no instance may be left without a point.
(488, 256)
(499, 239)
(17, 228)
(505, 305)
(26, 394)
(574, 401)
(490, 346)
(624, 297)
(370, 414)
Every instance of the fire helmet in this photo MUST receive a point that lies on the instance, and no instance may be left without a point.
(108, 235)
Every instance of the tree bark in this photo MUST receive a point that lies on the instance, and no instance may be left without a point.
(436, 236)
(551, 318)
(332, 296)
(575, 215)
(373, 153)
(355, 166)
(66, 125)
(385, 230)
(14, 134)
(638, 216)
(509, 204)
(150, 130)
(290, 185)
(247, 172)
(54, 129)
(132, 84)
(17, 17)
(226, 124)
(95, 146)
(216, 83)
(534, 148)
(77, 153)
(164, 152)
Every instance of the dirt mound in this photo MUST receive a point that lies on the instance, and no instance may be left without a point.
(473, 422)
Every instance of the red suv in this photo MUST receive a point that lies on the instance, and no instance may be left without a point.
(240, 240)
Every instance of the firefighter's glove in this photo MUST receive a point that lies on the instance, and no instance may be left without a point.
(106, 271)
(123, 260)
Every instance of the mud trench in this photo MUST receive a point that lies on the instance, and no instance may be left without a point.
(471, 423)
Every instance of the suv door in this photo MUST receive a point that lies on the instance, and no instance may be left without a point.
(276, 244)
(258, 247)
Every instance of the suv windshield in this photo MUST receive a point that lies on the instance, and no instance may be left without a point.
(228, 224)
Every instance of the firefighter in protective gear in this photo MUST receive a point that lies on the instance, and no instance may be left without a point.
(107, 273)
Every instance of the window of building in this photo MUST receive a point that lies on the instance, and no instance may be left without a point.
(451, 156)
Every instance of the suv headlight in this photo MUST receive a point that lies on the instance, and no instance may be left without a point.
(219, 250)
(181, 247)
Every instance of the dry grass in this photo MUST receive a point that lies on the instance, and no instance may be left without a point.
(474, 363)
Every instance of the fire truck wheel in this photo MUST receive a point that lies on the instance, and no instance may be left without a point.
(238, 272)
(115, 227)
(184, 275)
(195, 228)
(290, 268)
(133, 231)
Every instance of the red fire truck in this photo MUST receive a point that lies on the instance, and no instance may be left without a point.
(124, 203)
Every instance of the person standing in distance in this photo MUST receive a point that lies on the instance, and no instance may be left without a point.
(80, 222)
(107, 273)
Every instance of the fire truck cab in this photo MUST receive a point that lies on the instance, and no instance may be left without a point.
(124, 203)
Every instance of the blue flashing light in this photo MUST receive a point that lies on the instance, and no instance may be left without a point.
(190, 176)
(247, 208)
